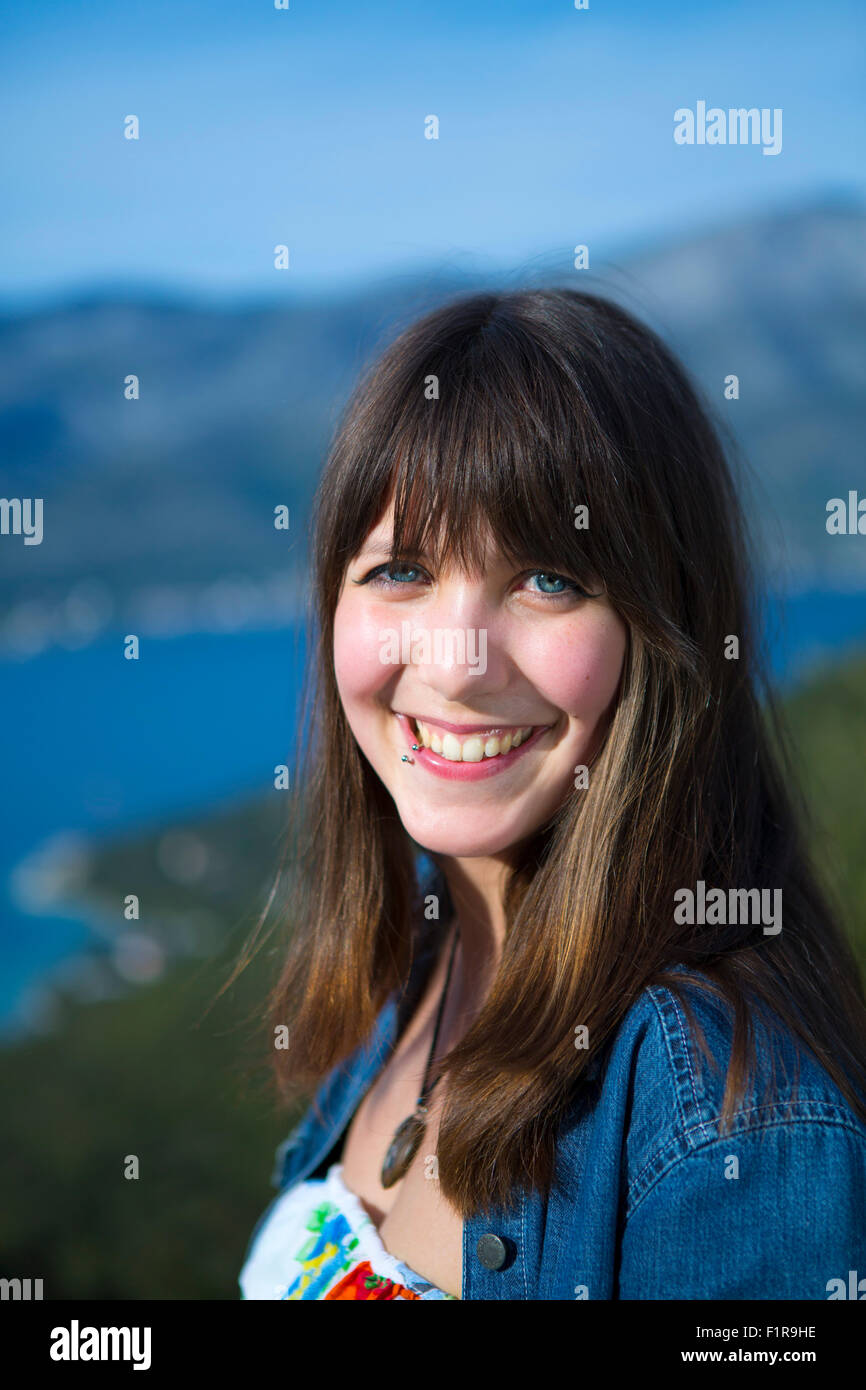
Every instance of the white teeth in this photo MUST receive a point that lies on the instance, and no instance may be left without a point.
(451, 748)
(474, 747)
(473, 750)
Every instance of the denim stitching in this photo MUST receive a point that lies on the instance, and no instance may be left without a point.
(814, 1109)
(835, 1118)
(667, 1041)
(678, 1053)
(684, 1041)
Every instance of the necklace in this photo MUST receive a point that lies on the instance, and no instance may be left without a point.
(408, 1135)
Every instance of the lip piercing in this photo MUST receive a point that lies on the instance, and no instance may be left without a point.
(405, 757)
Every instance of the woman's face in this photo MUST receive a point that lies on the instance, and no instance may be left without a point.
(471, 664)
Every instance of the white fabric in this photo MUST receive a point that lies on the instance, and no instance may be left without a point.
(304, 1248)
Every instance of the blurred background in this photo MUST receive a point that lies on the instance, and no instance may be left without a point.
(306, 127)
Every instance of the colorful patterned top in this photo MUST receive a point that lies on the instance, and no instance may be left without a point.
(318, 1242)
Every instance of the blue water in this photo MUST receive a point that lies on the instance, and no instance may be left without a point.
(96, 744)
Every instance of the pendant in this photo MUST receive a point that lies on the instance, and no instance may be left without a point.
(403, 1147)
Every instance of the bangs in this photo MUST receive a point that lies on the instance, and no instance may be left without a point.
(507, 452)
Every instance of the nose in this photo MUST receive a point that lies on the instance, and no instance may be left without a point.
(458, 647)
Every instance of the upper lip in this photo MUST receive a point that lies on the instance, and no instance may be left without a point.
(490, 728)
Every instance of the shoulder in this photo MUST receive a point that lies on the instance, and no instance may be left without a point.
(677, 1086)
(781, 1188)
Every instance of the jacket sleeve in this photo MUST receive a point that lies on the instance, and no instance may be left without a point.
(775, 1211)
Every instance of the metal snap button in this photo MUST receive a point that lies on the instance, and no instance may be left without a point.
(491, 1251)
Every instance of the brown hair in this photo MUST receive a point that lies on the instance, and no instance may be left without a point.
(548, 399)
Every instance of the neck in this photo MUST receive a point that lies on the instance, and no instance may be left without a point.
(477, 889)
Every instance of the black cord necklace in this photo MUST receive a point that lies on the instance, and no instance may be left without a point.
(408, 1135)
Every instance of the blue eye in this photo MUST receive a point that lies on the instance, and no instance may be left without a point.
(394, 574)
(389, 575)
(544, 577)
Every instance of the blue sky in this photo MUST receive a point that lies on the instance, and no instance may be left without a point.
(305, 127)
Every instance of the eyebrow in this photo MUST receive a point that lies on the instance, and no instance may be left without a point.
(378, 547)
(384, 545)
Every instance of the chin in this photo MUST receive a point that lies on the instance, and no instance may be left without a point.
(457, 848)
(452, 835)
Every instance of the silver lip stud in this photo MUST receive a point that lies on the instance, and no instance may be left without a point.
(405, 758)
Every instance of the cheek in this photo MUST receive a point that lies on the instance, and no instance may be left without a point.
(578, 668)
(359, 670)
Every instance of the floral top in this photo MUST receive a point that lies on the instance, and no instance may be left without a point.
(318, 1242)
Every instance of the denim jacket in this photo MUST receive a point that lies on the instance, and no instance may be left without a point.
(650, 1200)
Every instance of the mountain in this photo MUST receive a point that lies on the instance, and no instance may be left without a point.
(160, 510)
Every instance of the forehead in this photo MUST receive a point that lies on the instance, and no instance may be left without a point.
(381, 538)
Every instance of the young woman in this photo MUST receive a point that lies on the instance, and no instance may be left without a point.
(615, 1045)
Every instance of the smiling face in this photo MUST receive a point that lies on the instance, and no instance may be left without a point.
(505, 681)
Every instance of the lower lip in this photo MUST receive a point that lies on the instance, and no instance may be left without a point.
(464, 772)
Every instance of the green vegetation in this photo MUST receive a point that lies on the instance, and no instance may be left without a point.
(159, 1073)
(168, 1072)
(827, 721)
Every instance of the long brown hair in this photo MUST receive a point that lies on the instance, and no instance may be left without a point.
(507, 411)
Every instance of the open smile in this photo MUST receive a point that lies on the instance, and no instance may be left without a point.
(467, 752)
